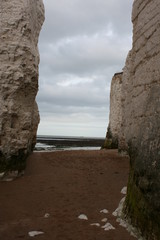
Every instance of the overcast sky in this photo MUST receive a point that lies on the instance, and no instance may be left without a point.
(82, 44)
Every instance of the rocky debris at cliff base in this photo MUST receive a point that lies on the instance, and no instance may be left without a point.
(83, 217)
(125, 222)
(104, 220)
(2, 175)
(46, 215)
(124, 190)
(95, 224)
(118, 211)
(104, 211)
(10, 175)
(108, 227)
(35, 233)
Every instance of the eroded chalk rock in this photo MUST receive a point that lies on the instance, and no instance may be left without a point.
(115, 117)
(20, 24)
(141, 119)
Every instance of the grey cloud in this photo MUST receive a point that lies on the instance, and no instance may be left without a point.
(70, 18)
(80, 95)
(83, 55)
(82, 44)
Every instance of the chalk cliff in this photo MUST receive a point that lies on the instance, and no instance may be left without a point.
(135, 118)
(141, 118)
(20, 24)
(115, 116)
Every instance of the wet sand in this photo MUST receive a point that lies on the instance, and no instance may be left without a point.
(64, 185)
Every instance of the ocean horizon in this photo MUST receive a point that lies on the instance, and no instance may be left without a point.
(57, 143)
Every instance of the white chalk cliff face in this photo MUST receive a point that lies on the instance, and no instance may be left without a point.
(115, 116)
(20, 24)
(139, 122)
(141, 118)
(116, 104)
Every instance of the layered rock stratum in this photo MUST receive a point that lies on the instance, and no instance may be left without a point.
(141, 118)
(140, 128)
(20, 25)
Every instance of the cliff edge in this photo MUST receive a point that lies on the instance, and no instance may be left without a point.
(20, 25)
(139, 133)
(141, 118)
(115, 114)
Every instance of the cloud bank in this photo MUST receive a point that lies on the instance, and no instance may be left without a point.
(82, 44)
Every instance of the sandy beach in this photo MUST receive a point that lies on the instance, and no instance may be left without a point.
(60, 186)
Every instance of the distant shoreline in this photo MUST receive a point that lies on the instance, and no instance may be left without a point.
(53, 143)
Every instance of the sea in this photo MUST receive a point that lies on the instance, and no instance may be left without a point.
(62, 143)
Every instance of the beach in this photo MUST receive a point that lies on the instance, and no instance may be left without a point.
(59, 187)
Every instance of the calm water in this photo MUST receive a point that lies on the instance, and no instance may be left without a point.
(55, 143)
